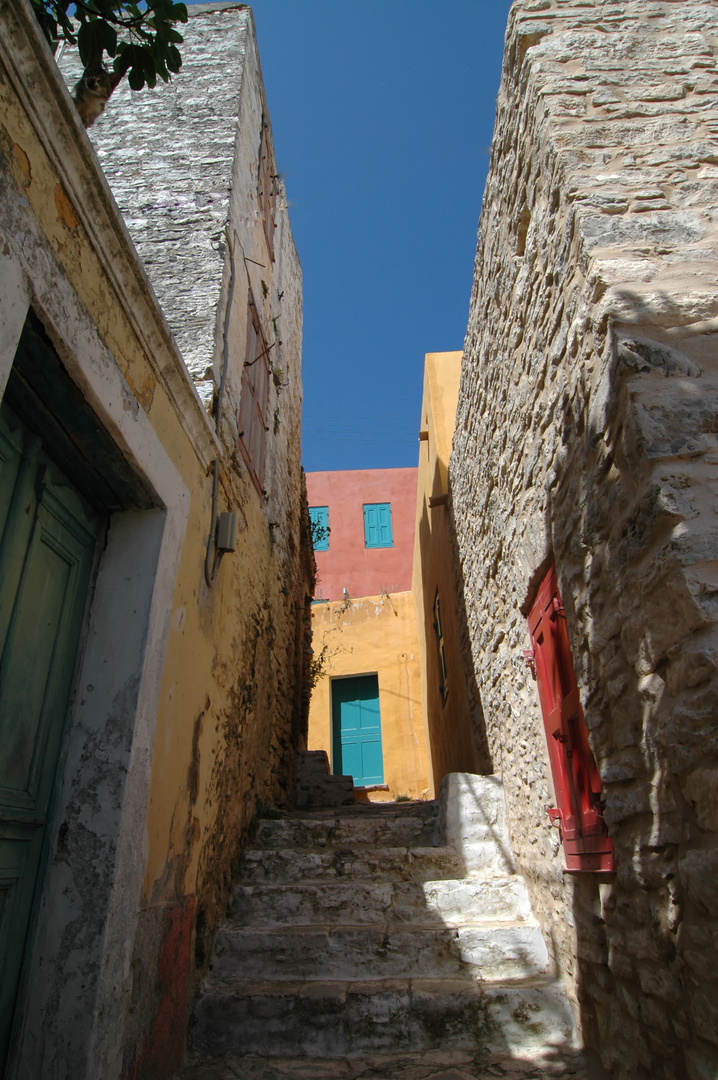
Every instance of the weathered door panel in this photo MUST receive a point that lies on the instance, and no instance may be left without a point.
(47, 539)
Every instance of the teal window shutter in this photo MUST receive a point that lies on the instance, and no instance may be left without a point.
(319, 517)
(377, 525)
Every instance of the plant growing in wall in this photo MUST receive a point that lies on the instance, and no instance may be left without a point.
(318, 666)
(141, 40)
(320, 532)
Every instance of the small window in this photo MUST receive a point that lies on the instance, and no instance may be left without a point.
(377, 525)
(438, 630)
(319, 517)
(267, 186)
(254, 399)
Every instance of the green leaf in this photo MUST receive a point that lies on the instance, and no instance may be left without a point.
(148, 66)
(174, 60)
(107, 35)
(48, 24)
(167, 34)
(136, 78)
(162, 68)
(127, 57)
(89, 42)
(94, 37)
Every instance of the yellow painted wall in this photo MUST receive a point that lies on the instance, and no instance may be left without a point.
(227, 715)
(375, 634)
(218, 637)
(448, 722)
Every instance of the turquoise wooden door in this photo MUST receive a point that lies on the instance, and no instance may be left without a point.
(357, 729)
(47, 540)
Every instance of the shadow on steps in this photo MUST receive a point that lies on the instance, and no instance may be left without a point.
(384, 940)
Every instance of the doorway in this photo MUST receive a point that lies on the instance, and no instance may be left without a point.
(61, 477)
(356, 727)
(48, 534)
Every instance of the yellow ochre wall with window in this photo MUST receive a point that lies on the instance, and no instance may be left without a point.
(362, 636)
(450, 717)
(188, 697)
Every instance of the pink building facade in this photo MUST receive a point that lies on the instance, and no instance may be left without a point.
(370, 514)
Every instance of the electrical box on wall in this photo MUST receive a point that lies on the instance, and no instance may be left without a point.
(227, 531)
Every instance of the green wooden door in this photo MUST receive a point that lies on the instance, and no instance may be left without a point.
(357, 729)
(47, 540)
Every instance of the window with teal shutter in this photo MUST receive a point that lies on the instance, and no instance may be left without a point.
(319, 517)
(377, 525)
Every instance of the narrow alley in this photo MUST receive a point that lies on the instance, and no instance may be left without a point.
(402, 772)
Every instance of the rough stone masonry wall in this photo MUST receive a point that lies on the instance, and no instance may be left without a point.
(182, 161)
(587, 431)
(172, 180)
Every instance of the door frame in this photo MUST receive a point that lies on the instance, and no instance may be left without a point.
(110, 725)
(343, 678)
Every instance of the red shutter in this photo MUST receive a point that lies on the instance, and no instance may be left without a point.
(578, 787)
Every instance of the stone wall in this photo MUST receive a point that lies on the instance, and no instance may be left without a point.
(587, 433)
(251, 715)
(191, 697)
(169, 155)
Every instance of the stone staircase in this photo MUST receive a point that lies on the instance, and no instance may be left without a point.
(317, 788)
(383, 940)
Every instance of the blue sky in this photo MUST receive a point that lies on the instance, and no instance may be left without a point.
(382, 113)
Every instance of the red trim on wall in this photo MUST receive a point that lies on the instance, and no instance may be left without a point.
(161, 1054)
(576, 780)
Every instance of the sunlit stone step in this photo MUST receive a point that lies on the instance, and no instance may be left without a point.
(439, 903)
(488, 951)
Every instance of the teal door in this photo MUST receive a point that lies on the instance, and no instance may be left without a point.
(47, 540)
(357, 729)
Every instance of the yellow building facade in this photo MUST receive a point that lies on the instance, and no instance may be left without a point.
(178, 702)
(409, 639)
(365, 636)
(450, 715)
(366, 708)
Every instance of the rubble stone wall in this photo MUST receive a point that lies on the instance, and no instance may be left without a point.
(169, 155)
(182, 161)
(587, 433)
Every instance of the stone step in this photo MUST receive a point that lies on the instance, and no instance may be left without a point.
(490, 951)
(318, 833)
(442, 903)
(473, 812)
(312, 763)
(329, 791)
(380, 930)
(316, 787)
(446, 1063)
(331, 1019)
(370, 862)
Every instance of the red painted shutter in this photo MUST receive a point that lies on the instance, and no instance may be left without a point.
(575, 776)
